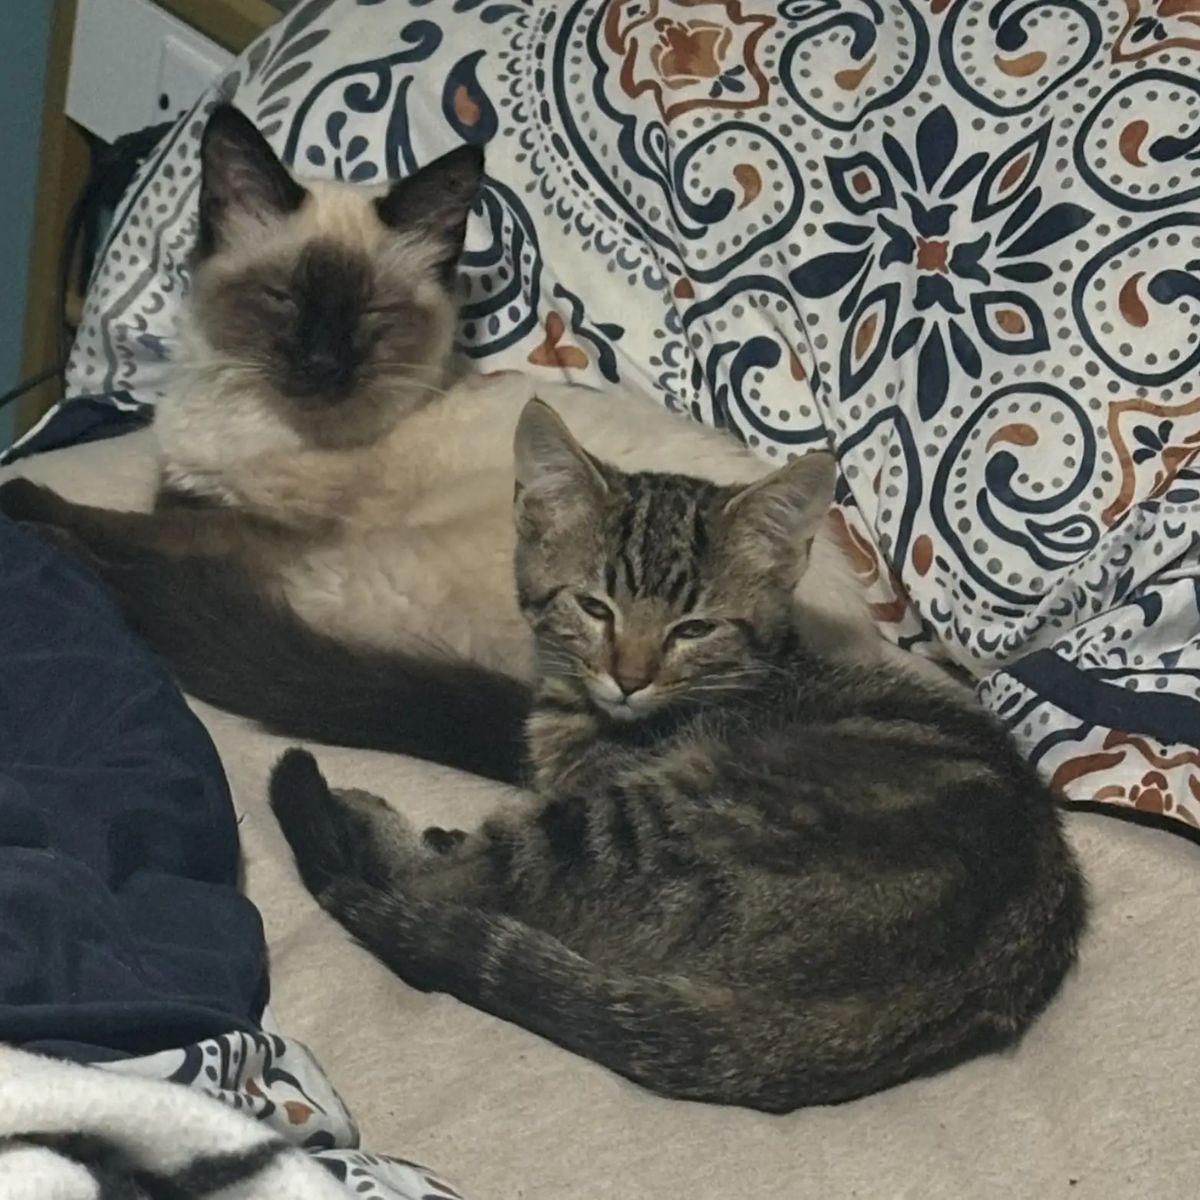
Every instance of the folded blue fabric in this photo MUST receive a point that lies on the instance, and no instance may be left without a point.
(122, 930)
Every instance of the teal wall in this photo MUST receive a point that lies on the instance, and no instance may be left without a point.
(24, 41)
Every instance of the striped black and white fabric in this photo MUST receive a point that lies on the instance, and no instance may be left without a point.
(124, 1131)
(76, 1132)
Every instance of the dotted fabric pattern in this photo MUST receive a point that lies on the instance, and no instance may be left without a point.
(958, 238)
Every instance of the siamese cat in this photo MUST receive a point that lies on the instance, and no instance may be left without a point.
(330, 547)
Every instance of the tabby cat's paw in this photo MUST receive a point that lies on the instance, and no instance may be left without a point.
(340, 833)
(443, 841)
(307, 813)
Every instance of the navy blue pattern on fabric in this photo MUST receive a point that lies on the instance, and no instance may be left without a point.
(122, 930)
(955, 238)
(85, 419)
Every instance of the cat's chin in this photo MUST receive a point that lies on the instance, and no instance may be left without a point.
(623, 710)
(622, 713)
(610, 701)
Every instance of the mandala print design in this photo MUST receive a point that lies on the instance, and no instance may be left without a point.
(959, 239)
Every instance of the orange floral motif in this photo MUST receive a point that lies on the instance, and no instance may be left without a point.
(751, 182)
(922, 554)
(1166, 784)
(850, 78)
(890, 603)
(932, 254)
(688, 54)
(1017, 433)
(1166, 456)
(553, 352)
(1132, 306)
(466, 107)
(858, 552)
(1131, 139)
(1153, 794)
(1022, 65)
(1152, 26)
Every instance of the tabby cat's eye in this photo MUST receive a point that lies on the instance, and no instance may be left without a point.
(276, 295)
(692, 629)
(593, 607)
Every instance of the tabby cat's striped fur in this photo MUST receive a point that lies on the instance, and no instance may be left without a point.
(749, 876)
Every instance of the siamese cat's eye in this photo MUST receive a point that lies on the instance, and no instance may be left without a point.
(594, 607)
(686, 630)
(277, 296)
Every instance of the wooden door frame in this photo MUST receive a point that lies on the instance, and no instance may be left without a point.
(63, 171)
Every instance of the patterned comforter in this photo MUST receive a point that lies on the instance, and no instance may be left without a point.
(959, 238)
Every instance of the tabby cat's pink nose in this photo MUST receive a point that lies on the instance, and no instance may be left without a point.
(632, 680)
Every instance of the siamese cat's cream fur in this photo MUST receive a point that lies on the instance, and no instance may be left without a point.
(332, 486)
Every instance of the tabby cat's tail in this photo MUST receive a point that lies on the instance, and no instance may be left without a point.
(233, 646)
(680, 1038)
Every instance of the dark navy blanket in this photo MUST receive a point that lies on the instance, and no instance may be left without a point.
(122, 930)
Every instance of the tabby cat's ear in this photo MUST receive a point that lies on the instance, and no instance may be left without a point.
(241, 179)
(780, 515)
(436, 201)
(556, 477)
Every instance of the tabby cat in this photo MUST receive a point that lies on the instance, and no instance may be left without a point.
(331, 544)
(750, 875)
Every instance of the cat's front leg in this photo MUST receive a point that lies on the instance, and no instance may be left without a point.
(68, 526)
(344, 836)
(28, 502)
(443, 841)
(433, 907)
(339, 834)
(118, 537)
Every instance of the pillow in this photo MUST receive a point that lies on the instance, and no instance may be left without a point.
(959, 240)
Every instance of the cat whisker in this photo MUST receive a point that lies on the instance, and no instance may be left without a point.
(560, 665)
(424, 387)
(399, 364)
(563, 672)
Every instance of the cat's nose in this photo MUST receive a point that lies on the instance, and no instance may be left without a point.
(632, 679)
(323, 364)
(327, 369)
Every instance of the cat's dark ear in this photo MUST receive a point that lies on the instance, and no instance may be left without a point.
(557, 480)
(240, 177)
(436, 201)
(778, 517)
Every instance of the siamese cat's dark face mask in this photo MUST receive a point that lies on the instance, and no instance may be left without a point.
(320, 326)
(329, 297)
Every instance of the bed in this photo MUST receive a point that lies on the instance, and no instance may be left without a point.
(957, 239)
(1100, 1092)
